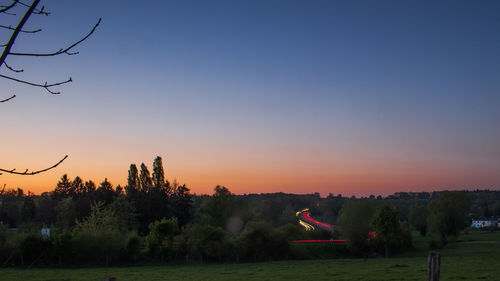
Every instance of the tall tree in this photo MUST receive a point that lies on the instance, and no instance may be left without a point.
(145, 179)
(132, 181)
(158, 173)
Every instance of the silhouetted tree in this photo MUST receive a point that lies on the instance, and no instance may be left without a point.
(89, 187)
(145, 179)
(182, 204)
(158, 173)
(77, 187)
(63, 188)
(132, 187)
(105, 192)
(217, 209)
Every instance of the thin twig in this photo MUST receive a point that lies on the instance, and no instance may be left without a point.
(24, 31)
(36, 11)
(46, 86)
(8, 99)
(12, 69)
(26, 173)
(6, 8)
(61, 51)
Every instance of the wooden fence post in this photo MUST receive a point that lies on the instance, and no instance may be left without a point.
(434, 266)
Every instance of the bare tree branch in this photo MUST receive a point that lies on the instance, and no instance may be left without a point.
(8, 99)
(12, 69)
(6, 8)
(26, 173)
(37, 11)
(46, 86)
(24, 31)
(18, 29)
(61, 51)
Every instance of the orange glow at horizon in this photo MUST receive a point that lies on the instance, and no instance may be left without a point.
(242, 179)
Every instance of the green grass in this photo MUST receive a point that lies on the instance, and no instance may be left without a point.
(474, 256)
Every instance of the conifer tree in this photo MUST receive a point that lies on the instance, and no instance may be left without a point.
(77, 187)
(63, 188)
(89, 187)
(105, 191)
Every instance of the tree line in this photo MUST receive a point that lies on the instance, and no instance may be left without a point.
(151, 219)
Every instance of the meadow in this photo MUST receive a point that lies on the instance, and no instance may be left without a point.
(474, 256)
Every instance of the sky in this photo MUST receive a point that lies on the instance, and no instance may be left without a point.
(341, 97)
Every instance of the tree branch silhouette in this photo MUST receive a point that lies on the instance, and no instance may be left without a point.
(8, 7)
(46, 86)
(27, 173)
(8, 99)
(24, 31)
(61, 51)
(31, 9)
(18, 29)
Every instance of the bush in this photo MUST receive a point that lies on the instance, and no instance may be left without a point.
(259, 240)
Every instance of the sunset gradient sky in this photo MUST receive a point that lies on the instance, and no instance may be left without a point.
(351, 97)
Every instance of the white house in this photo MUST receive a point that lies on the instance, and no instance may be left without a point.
(485, 222)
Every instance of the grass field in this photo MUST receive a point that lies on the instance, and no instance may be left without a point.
(475, 256)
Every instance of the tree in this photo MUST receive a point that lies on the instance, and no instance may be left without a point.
(8, 51)
(204, 242)
(124, 212)
(354, 219)
(77, 187)
(158, 173)
(448, 214)
(259, 240)
(28, 209)
(182, 204)
(219, 207)
(145, 179)
(63, 188)
(105, 192)
(132, 182)
(101, 219)
(89, 187)
(385, 222)
(418, 218)
(162, 231)
(99, 235)
(66, 213)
